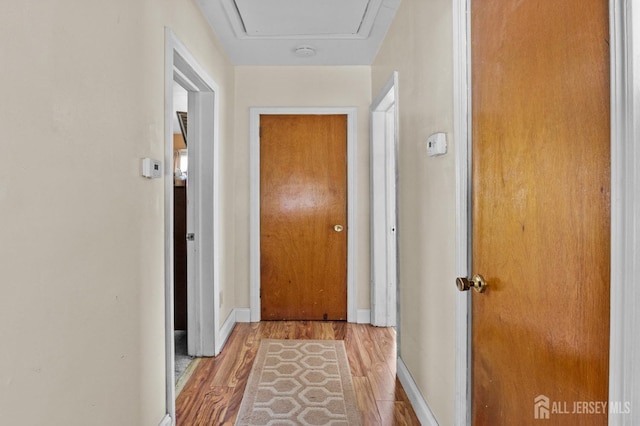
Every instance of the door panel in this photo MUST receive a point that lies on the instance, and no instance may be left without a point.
(541, 202)
(303, 196)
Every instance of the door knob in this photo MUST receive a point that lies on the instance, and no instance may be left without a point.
(477, 282)
(338, 228)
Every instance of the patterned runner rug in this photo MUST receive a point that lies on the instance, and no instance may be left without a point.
(299, 382)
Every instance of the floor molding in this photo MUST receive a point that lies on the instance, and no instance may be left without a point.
(420, 406)
(166, 421)
(363, 316)
(243, 314)
(225, 330)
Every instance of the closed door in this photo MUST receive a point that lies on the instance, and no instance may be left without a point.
(303, 214)
(541, 211)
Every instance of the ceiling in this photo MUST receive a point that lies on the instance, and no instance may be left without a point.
(300, 32)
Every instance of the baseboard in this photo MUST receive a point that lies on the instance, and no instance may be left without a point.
(166, 421)
(236, 315)
(363, 316)
(420, 406)
(243, 314)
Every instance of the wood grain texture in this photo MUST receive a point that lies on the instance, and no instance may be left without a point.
(213, 394)
(541, 199)
(303, 194)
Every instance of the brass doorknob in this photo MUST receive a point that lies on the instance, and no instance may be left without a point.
(338, 228)
(477, 282)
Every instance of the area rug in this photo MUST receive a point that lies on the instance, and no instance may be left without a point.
(299, 382)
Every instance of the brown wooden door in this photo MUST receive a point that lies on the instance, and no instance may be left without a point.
(303, 196)
(541, 221)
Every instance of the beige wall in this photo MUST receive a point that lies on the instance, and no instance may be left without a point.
(300, 87)
(418, 46)
(82, 252)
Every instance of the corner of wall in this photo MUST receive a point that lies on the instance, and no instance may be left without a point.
(420, 406)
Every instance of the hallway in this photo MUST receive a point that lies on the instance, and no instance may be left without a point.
(213, 393)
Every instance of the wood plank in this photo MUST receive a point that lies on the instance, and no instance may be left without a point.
(404, 414)
(386, 341)
(226, 362)
(382, 382)
(369, 349)
(387, 411)
(366, 401)
(323, 330)
(353, 353)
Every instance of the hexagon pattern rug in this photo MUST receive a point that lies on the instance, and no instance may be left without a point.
(299, 382)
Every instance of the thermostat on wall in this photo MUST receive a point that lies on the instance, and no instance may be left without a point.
(151, 168)
(437, 144)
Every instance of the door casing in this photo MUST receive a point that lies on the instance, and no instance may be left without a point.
(254, 213)
(203, 300)
(624, 379)
(383, 206)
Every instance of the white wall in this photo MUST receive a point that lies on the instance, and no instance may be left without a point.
(419, 45)
(348, 86)
(82, 252)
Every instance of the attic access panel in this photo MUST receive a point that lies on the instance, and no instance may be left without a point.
(290, 18)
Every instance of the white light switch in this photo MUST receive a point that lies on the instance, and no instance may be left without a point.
(437, 144)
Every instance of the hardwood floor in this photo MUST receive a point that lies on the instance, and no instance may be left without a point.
(213, 393)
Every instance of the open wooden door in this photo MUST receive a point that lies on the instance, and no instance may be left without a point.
(541, 211)
(303, 217)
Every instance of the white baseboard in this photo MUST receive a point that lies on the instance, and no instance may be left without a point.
(166, 421)
(424, 413)
(225, 330)
(243, 314)
(363, 316)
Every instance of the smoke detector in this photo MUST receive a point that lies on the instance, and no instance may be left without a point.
(304, 51)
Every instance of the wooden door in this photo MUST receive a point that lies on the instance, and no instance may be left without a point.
(541, 202)
(303, 217)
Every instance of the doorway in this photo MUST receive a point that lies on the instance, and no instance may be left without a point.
(202, 210)
(180, 255)
(255, 242)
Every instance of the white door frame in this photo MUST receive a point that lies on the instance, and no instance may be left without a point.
(254, 214)
(383, 205)
(624, 373)
(203, 145)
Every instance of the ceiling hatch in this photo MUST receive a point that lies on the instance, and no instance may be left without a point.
(302, 18)
(300, 32)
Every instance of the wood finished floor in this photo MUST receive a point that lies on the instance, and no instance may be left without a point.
(213, 393)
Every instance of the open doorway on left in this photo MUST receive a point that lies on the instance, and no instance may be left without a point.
(180, 181)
